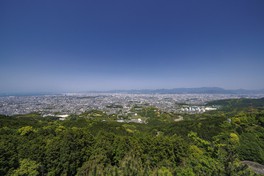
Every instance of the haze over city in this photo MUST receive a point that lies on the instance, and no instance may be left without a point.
(60, 46)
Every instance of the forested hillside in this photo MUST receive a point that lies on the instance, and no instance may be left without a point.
(212, 143)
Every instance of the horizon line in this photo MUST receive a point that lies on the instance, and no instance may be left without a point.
(116, 90)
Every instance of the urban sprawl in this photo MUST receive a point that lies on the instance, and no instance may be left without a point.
(76, 103)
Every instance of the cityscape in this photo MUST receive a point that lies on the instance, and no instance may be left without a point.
(66, 104)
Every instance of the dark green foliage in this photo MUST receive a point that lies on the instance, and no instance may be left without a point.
(238, 103)
(8, 153)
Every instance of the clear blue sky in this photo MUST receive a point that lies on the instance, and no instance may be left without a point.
(66, 45)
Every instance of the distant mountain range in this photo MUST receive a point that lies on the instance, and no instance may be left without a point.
(201, 90)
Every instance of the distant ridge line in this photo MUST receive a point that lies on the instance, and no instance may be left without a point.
(199, 90)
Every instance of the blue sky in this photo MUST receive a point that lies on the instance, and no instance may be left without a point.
(63, 45)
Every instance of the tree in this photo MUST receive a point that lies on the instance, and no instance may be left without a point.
(27, 168)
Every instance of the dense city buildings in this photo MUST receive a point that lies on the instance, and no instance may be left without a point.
(110, 103)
